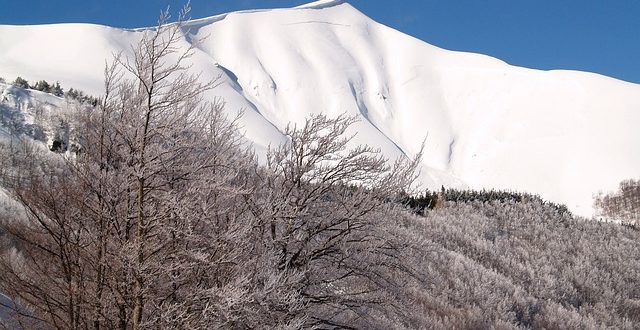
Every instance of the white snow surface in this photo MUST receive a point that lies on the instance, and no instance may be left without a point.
(562, 134)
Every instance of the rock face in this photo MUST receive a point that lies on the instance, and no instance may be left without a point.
(562, 134)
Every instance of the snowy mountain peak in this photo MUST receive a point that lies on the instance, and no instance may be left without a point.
(562, 134)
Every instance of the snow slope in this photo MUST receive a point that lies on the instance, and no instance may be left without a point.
(38, 115)
(562, 134)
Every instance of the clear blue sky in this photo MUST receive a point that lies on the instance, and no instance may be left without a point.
(600, 36)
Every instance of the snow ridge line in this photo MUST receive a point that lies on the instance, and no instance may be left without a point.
(321, 4)
(198, 22)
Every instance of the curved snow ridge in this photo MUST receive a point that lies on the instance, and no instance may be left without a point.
(321, 4)
(198, 22)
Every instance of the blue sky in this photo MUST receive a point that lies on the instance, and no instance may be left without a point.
(590, 35)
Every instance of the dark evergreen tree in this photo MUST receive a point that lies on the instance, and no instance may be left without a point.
(20, 82)
(57, 90)
(42, 86)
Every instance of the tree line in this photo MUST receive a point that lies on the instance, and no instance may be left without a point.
(55, 89)
(41, 85)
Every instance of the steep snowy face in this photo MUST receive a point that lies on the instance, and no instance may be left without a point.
(562, 134)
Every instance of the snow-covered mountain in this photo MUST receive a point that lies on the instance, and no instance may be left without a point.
(562, 134)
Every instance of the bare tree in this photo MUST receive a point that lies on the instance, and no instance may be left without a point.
(110, 237)
(623, 205)
(319, 208)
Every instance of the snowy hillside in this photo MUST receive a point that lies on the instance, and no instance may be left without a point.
(40, 116)
(562, 134)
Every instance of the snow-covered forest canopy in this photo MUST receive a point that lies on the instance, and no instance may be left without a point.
(158, 214)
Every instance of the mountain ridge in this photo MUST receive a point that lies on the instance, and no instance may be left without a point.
(487, 124)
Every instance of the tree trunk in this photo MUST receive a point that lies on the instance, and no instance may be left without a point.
(139, 298)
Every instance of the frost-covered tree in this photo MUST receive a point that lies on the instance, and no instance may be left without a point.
(623, 205)
(141, 229)
(320, 208)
